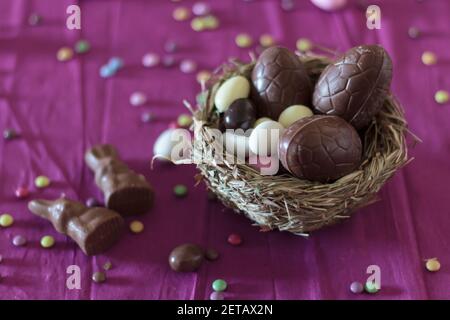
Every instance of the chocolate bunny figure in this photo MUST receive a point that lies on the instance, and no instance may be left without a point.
(125, 191)
(93, 229)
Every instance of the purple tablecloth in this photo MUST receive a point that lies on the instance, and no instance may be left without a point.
(61, 109)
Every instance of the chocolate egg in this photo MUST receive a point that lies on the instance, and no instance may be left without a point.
(241, 114)
(320, 148)
(186, 258)
(355, 86)
(279, 80)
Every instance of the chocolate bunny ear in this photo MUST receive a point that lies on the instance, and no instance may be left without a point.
(40, 207)
(94, 155)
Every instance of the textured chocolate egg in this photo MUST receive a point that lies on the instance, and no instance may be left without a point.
(241, 114)
(279, 80)
(355, 86)
(320, 148)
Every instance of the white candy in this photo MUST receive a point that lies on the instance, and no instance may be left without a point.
(260, 120)
(329, 5)
(138, 99)
(232, 89)
(164, 144)
(265, 137)
(294, 113)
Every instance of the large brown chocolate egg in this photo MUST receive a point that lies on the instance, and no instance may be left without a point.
(279, 80)
(320, 148)
(355, 86)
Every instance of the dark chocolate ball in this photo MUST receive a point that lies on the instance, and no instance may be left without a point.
(186, 258)
(240, 115)
(320, 148)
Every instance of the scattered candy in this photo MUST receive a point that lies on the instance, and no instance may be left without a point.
(42, 182)
(170, 46)
(180, 190)
(64, 54)
(356, 287)
(136, 226)
(433, 265)
(371, 287)
(287, 5)
(181, 14)
(147, 117)
(330, 5)
(82, 46)
(99, 277)
(429, 58)
(198, 24)
(150, 60)
(22, 192)
(34, 19)
(92, 202)
(210, 22)
(217, 296)
(19, 241)
(211, 254)
(243, 40)
(184, 121)
(266, 40)
(6, 220)
(203, 76)
(234, 239)
(106, 71)
(441, 96)
(188, 66)
(219, 285)
(413, 32)
(211, 196)
(168, 61)
(107, 266)
(9, 134)
(138, 99)
(201, 8)
(304, 45)
(47, 242)
(115, 63)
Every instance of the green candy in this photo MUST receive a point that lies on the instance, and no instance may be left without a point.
(82, 46)
(42, 182)
(180, 190)
(371, 287)
(219, 285)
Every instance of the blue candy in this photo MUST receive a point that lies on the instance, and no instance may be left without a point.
(106, 71)
(115, 63)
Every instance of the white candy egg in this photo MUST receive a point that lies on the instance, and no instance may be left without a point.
(264, 139)
(234, 88)
(164, 144)
(294, 113)
(329, 5)
(260, 120)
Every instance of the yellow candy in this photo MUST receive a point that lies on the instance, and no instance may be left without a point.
(6, 220)
(47, 242)
(181, 14)
(433, 265)
(42, 182)
(210, 22)
(203, 76)
(429, 58)
(184, 120)
(304, 45)
(136, 226)
(243, 40)
(441, 96)
(198, 24)
(64, 54)
(266, 40)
